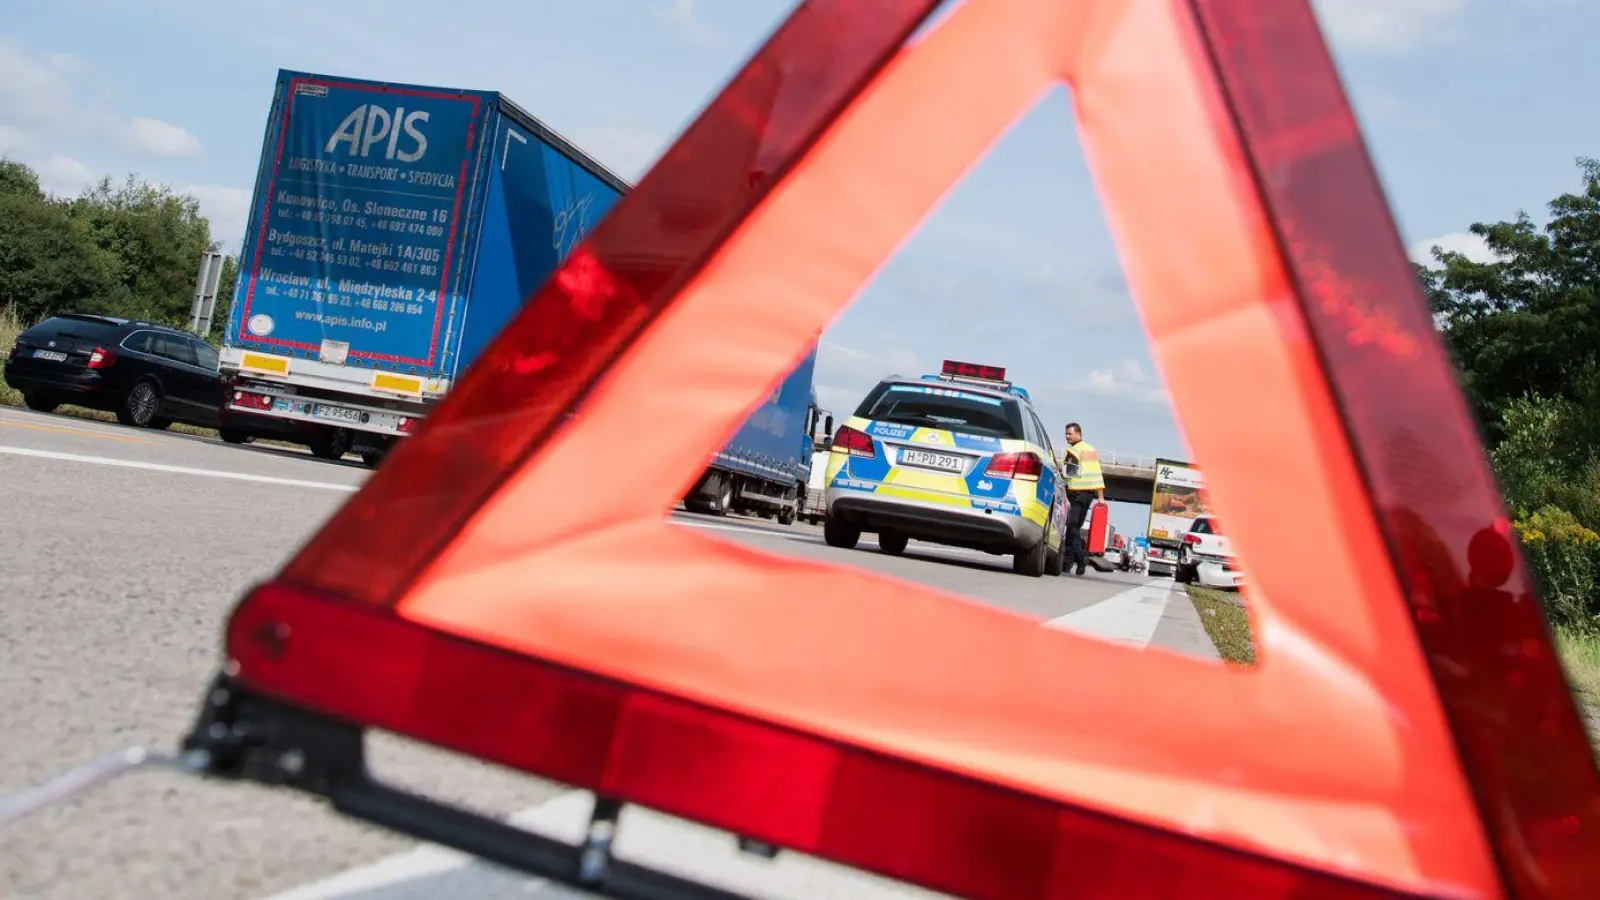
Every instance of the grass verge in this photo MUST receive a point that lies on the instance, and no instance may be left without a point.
(1580, 653)
(1226, 623)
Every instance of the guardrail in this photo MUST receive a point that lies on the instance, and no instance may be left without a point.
(1127, 461)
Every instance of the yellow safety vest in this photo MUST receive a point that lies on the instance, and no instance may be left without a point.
(1089, 477)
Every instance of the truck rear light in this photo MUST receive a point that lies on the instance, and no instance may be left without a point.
(101, 358)
(407, 425)
(853, 442)
(1023, 465)
(251, 401)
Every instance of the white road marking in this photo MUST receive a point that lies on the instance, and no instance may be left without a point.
(796, 535)
(175, 470)
(644, 837)
(1130, 617)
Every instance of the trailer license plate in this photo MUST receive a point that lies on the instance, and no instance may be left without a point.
(926, 460)
(52, 355)
(336, 413)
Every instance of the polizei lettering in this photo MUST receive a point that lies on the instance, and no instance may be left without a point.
(370, 125)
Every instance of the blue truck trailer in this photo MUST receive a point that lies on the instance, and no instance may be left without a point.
(395, 230)
(765, 468)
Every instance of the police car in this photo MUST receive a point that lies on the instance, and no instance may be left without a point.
(960, 459)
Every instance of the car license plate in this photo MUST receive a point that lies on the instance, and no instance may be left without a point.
(928, 460)
(336, 413)
(51, 355)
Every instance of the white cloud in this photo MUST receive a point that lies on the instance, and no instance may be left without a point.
(227, 208)
(47, 99)
(845, 374)
(1465, 243)
(1127, 380)
(628, 150)
(1387, 26)
(158, 138)
(63, 175)
(679, 17)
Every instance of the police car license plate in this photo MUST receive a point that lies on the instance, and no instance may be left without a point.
(928, 460)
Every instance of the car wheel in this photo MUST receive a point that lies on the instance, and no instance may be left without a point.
(1031, 562)
(837, 534)
(139, 407)
(891, 543)
(40, 402)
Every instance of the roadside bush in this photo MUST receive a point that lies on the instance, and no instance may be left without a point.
(1565, 558)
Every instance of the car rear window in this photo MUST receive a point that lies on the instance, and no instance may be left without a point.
(946, 408)
(78, 329)
(1204, 526)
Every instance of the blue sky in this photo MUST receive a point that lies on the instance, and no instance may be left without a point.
(1473, 108)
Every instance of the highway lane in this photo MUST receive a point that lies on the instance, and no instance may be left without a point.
(119, 563)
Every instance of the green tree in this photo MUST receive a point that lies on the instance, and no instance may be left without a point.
(1528, 321)
(131, 249)
(49, 261)
(157, 235)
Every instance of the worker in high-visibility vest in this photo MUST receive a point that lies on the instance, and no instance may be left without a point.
(1084, 486)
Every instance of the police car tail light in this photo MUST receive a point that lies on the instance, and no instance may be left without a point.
(853, 442)
(1020, 466)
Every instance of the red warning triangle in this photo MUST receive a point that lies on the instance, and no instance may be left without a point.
(506, 586)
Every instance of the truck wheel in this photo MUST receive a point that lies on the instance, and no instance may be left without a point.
(724, 504)
(234, 436)
(837, 534)
(372, 458)
(333, 443)
(786, 516)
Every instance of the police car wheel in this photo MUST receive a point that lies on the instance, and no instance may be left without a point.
(1030, 562)
(837, 534)
(1055, 561)
(891, 543)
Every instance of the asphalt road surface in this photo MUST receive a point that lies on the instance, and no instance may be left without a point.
(124, 549)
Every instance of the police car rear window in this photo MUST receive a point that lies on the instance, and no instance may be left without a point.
(938, 407)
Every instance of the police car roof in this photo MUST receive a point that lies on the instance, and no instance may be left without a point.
(975, 385)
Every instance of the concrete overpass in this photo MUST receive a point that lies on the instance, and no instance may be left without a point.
(1129, 479)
